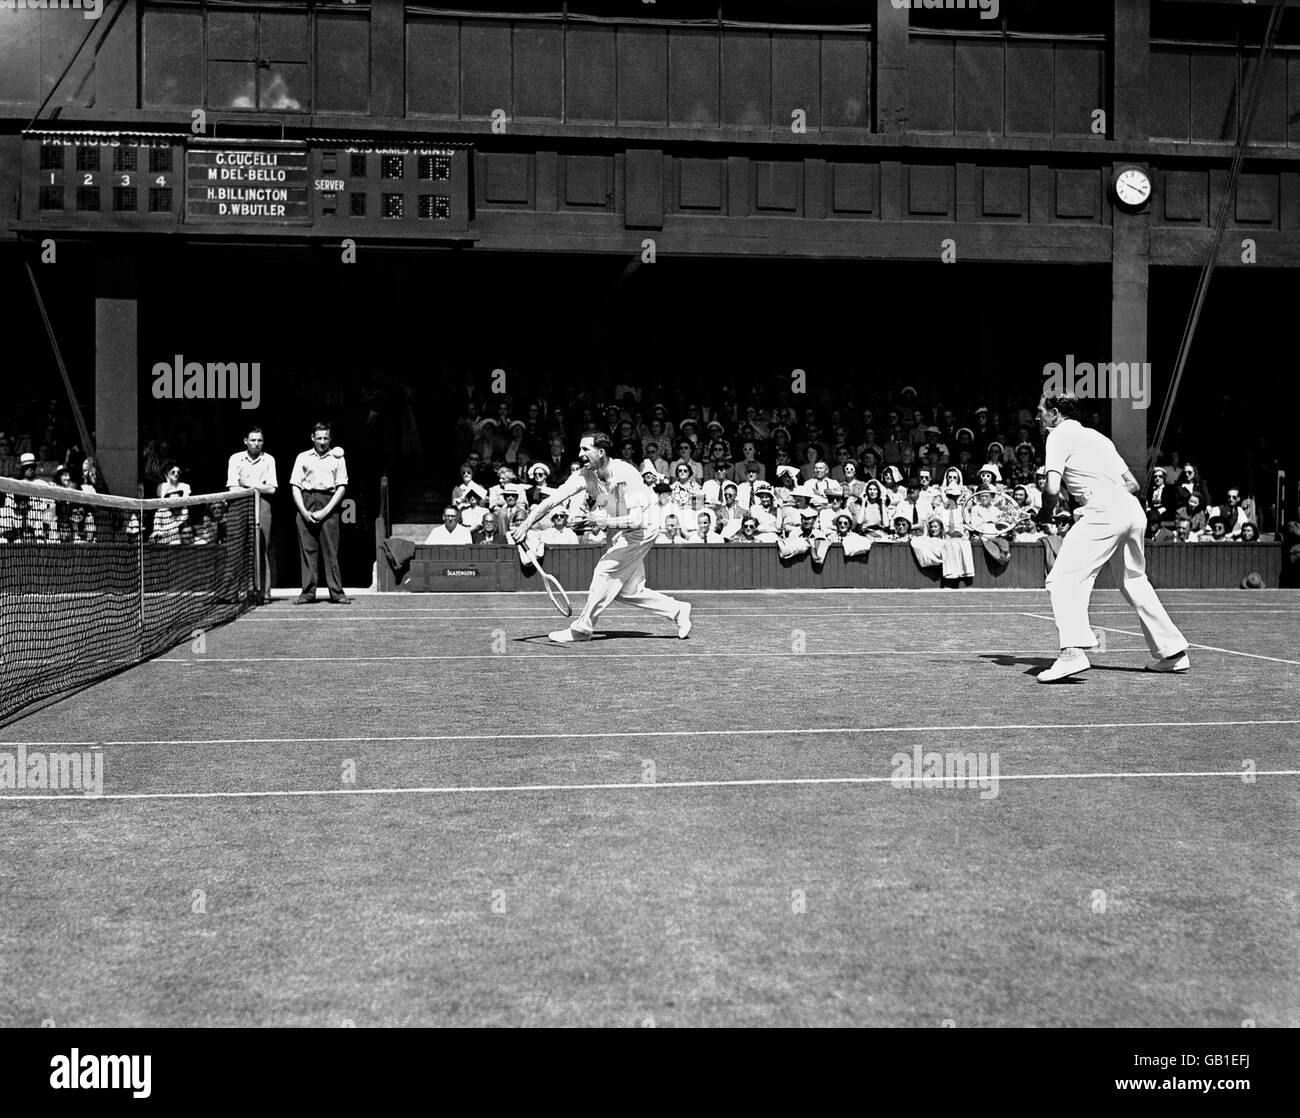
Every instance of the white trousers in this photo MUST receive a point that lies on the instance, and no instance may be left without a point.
(620, 575)
(1110, 532)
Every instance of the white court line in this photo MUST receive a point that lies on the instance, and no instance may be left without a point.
(1190, 644)
(520, 657)
(481, 789)
(872, 615)
(770, 731)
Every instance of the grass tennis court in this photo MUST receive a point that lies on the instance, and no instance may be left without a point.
(415, 811)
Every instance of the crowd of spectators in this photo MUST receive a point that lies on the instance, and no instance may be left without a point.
(800, 477)
(59, 464)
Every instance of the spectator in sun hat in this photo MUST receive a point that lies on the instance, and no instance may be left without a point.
(1162, 498)
(473, 511)
(745, 493)
(799, 533)
(767, 513)
(891, 483)
(513, 512)
(729, 508)
(538, 474)
(915, 505)
(485, 438)
(558, 531)
(990, 475)
(650, 474)
(902, 529)
(844, 533)
(496, 495)
(516, 440)
(1036, 490)
(720, 476)
(27, 467)
(836, 504)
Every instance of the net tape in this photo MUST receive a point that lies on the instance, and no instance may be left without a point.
(91, 584)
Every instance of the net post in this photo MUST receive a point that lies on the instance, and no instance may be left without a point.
(259, 590)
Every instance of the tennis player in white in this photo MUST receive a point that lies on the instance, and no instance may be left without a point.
(619, 502)
(1109, 528)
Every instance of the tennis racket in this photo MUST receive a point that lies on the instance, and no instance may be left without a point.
(554, 591)
(1001, 516)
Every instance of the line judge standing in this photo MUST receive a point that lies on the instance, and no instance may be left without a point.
(255, 469)
(318, 481)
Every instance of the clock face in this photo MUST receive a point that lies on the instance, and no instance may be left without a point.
(1133, 188)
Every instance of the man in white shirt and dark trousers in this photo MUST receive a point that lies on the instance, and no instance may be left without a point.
(253, 468)
(1109, 528)
(319, 479)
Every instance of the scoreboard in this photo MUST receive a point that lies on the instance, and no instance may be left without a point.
(174, 182)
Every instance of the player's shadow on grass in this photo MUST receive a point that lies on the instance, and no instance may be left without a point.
(604, 635)
(1037, 664)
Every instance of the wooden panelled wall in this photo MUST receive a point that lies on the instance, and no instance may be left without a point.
(753, 567)
(693, 78)
(586, 73)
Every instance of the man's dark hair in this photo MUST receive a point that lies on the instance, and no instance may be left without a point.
(1067, 403)
(600, 441)
(256, 431)
(319, 425)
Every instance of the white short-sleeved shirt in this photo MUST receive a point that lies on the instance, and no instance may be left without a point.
(623, 491)
(322, 472)
(245, 471)
(458, 535)
(1091, 469)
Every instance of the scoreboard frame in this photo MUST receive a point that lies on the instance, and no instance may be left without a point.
(131, 181)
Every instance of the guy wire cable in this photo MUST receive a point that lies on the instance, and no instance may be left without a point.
(1220, 227)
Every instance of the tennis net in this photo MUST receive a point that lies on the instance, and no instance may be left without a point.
(91, 585)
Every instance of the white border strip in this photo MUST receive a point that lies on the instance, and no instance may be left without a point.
(554, 657)
(486, 789)
(602, 735)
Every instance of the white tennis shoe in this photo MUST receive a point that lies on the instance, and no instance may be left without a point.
(1065, 667)
(683, 620)
(568, 636)
(1178, 663)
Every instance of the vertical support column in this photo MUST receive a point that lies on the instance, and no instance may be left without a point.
(891, 25)
(1130, 233)
(1129, 267)
(117, 367)
(388, 60)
